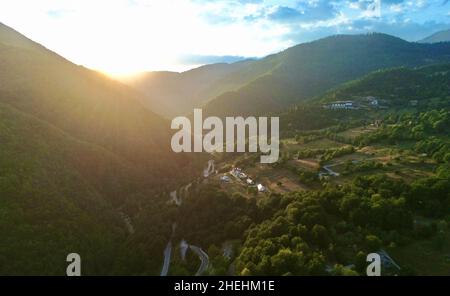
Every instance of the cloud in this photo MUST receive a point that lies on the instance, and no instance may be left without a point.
(310, 11)
(406, 29)
(59, 13)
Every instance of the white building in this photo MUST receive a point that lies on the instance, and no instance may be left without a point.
(342, 105)
(261, 188)
(225, 179)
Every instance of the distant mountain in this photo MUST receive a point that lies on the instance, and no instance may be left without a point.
(307, 70)
(76, 146)
(442, 36)
(172, 93)
(281, 80)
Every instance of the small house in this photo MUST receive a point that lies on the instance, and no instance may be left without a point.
(261, 188)
(225, 179)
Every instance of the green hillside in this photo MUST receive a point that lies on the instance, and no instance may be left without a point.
(87, 105)
(281, 80)
(400, 86)
(78, 150)
(397, 90)
(58, 196)
(309, 69)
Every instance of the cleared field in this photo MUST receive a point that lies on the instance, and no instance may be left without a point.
(307, 164)
(357, 156)
(356, 132)
(396, 164)
(278, 180)
(284, 183)
(291, 145)
(322, 144)
(234, 186)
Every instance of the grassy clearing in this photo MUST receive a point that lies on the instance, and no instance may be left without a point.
(278, 180)
(356, 132)
(291, 145)
(307, 164)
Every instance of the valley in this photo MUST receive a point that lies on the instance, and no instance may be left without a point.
(311, 168)
(86, 164)
(361, 177)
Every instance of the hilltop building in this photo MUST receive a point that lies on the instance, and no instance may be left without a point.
(341, 105)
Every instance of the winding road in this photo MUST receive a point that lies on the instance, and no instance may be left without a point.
(174, 198)
(203, 258)
(177, 199)
(168, 253)
(210, 169)
(330, 171)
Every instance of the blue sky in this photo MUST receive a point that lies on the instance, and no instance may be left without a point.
(124, 36)
(307, 20)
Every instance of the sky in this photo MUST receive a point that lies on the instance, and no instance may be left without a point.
(128, 36)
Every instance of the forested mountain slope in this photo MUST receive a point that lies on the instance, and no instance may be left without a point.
(76, 150)
(309, 69)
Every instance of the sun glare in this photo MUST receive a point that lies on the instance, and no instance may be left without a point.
(136, 36)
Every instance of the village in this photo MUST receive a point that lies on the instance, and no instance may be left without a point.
(368, 102)
(364, 103)
(240, 176)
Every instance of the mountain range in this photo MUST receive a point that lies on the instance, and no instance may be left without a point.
(82, 153)
(171, 93)
(256, 87)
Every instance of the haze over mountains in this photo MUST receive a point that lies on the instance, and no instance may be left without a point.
(81, 102)
(172, 93)
(281, 80)
(441, 36)
(76, 146)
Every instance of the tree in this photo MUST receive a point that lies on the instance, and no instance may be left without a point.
(373, 243)
(286, 261)
(340, 270)
(246, 272)
(320, 236)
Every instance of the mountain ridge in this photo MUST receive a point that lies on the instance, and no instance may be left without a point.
(82, 102)
(308, 69)
(281, 80)
(441, 36)
(78, 150)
